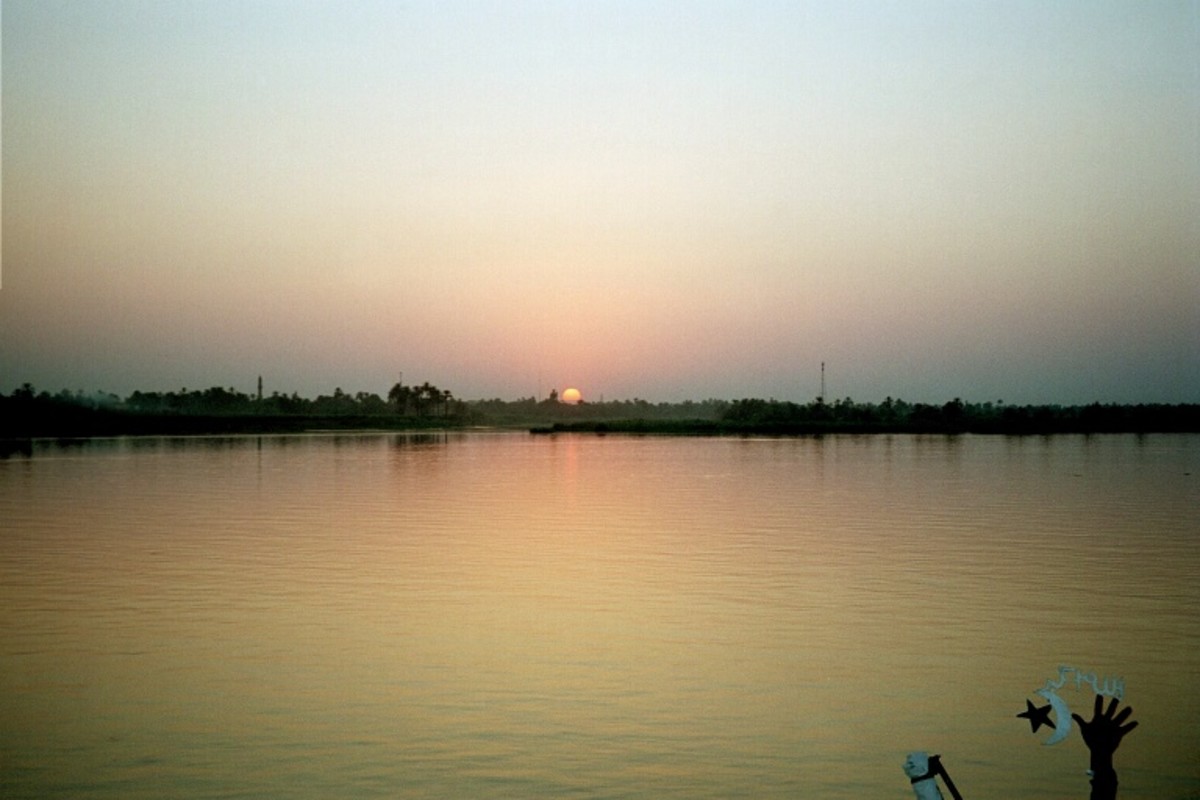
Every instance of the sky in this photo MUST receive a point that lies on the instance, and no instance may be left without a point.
(667, 201)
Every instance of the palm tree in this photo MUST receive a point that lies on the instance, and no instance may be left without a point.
(400, 395)
(427, 394)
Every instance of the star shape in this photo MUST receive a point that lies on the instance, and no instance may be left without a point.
(1037, 716)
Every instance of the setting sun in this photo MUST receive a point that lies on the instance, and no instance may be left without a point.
(572, 396)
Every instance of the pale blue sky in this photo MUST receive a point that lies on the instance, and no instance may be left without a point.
(669, 201)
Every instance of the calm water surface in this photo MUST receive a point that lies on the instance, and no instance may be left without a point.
(501, 615)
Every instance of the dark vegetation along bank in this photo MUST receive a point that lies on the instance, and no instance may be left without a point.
(754, 416)
(27, 413)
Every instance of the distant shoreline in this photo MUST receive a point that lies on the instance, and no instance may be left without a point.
(105, 425)
(783, 429)
(28, 415)
(97, 424)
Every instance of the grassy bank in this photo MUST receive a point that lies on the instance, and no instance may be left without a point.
(82, 422)
(1023, 426)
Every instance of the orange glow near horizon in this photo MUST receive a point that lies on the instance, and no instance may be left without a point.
(627, 211)
(572, 396)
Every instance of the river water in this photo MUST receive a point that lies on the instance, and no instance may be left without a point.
(485, 615)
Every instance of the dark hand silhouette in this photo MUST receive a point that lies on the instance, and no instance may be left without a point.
(1103, 734)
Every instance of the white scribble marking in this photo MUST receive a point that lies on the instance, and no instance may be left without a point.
(1109, 687)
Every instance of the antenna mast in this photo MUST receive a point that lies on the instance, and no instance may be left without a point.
(821, 398)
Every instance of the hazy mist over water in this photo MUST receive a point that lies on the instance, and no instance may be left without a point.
(500, 615)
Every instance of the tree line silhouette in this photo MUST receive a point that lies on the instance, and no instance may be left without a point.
(27, 412)
(957, 416)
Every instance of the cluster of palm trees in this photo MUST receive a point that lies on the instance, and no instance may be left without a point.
(420, 400)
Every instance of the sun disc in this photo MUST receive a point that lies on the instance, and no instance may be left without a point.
(572, 396)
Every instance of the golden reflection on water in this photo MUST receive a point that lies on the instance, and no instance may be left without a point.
(504, 615)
